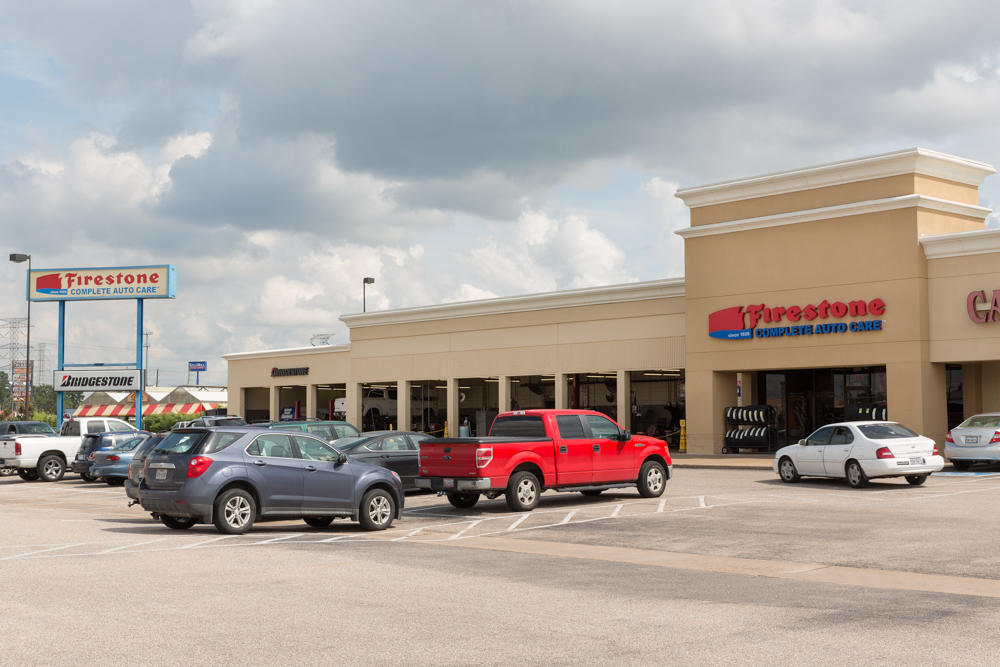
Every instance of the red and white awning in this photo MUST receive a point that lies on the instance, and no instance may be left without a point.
(128, 409)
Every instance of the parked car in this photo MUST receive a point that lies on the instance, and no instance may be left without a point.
(529, 451)
(46, 457)
(135, 466)
(395, 450)
(111, 465)
(93, 442)
(331, 430)
(218, 420)
(858, 452)
(976, 440)
(234, 476)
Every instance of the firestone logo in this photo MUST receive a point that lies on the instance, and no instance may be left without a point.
(732, 323)
(50, 284)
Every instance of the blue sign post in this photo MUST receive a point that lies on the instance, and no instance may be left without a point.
(101, 284)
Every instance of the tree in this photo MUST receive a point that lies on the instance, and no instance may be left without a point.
(43, 398)
(5, 393)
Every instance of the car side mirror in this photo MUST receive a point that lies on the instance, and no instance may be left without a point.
(802, 443)
(624, 436)
(341, 458)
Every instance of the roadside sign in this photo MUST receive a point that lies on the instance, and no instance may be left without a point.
(197, 366)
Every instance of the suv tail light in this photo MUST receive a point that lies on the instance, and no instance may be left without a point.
(948, 438)
(483, 456)
(996, 438)
(198, 465)
(17, 448)
(883, 453)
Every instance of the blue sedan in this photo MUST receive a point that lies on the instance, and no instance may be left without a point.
(111, 464)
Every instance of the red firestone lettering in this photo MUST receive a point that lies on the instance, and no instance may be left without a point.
(824, 309)
(838, 309)
(129, 279)
(876, 307)
(858, 308)
(794, 314)
(778, 311)
(98, 280)
(154, 278)
(754, 313)
(810, 312)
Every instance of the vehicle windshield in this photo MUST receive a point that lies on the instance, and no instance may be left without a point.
(885, 431)
(981, 421)
(36, 428)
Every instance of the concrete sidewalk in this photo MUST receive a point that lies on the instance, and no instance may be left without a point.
(737, 461)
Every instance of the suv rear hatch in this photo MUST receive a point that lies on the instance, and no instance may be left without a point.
(166, 467)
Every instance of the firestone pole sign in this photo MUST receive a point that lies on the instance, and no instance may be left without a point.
(129, 380)
(741, 322)
(100, 283)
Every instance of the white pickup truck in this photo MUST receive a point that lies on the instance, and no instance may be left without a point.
(46, 457)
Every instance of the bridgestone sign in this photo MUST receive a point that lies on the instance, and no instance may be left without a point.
(97, 380)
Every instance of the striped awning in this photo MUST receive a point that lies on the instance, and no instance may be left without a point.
(128, 409)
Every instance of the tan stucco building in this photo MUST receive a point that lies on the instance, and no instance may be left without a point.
(853, 289)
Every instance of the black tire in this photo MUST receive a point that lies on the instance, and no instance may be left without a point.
(787, 471)
(652, 479)
(463, 500)
(523, 492)
(917, 480)
(377, 510)
(855, 474)
(115, 481)
(51, 468)
(87, 477)
(592, 493)
(234, 512)
(960, 465)
(27, 474)
(176, 522)
(318, 521)
(7, 471)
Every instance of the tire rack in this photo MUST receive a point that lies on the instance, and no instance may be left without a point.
(749, 427)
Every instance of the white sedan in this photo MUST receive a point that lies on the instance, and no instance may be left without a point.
(859, 451)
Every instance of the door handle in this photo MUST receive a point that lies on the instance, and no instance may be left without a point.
(311, 468)
(597, 448)
(562, 449)
(258, 462)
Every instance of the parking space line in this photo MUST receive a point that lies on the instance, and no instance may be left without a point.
(280, 539)
(663, 503)
(203, 542)
(41, 551)
(403, 537)
(127, 546)
(568, 517)
(465, 530)
(517, 523)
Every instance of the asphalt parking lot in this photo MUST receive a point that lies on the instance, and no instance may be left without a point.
(729, 565)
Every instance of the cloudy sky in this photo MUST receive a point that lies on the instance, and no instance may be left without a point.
(278, 152)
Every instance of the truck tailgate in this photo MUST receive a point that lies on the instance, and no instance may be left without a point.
(448, 458)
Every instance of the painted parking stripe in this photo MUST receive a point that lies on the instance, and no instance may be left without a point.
(42, 551)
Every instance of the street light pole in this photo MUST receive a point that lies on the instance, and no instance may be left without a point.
(18, 258)
(364, 284)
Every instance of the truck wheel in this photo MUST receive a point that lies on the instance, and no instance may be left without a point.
(523, 492)
(176, 522)
(51, 468)
(27, 474)
(463, 500)
(652, 479)
(377, 510)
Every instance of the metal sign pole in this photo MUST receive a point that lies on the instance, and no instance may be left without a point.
(61, 354)
(138, 363)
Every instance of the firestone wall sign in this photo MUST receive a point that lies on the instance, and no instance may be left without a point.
(119, 282)
(743, 322)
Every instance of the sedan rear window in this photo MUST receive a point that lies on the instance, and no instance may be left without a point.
(981, 421)
(518, 426)
(885, 431)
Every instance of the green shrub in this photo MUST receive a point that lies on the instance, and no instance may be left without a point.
(163, 422)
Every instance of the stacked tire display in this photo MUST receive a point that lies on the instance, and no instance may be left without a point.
(749, 427)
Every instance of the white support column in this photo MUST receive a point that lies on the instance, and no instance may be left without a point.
(624, 394)
(403, 417)
(274, 404)
(310, 401)
(451, 412)
(562, 401)
(503, 393)
(354, 404)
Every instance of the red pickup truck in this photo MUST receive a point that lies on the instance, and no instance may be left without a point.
(529, 451)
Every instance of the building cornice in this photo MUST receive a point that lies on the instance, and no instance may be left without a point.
(287, 352)
(960, 244)
(588, 296)
(839, 211)
(910, 161)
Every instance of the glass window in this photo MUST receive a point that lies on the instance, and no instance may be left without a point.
(981, 421)
(395, 443)
(602, 427)
(116, 426)
(70, 428)
(346, 443)
(570, 427)
(36, 428)
(518, 426)
(314, 450)
(129, 444)
(885, 431)
(821, 436)
(96, 427)
(417, 438)
(219, 440)
(841, 436)
(276, 445)
(180, 443)
(322, 430)
(345, 431)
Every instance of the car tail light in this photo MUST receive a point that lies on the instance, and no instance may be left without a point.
(483, 456)
(17, 448)
(90, 457)
(996, 438)
(883, 453)
(113, 458)
(198, 465)
(948, 438)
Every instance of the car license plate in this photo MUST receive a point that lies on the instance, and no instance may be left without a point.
(448, 483)
(916, 461)
(161, 473)
(971, 439)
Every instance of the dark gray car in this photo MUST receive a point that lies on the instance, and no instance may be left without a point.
(234, 476)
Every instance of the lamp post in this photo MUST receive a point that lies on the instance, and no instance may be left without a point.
(18, 258)
(364, 284)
